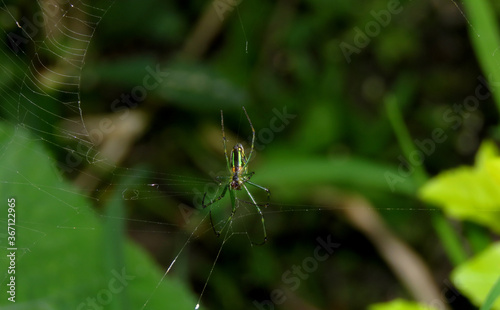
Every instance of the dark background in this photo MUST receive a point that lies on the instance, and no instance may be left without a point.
(329, 158)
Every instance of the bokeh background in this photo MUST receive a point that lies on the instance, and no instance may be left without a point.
(332, 89)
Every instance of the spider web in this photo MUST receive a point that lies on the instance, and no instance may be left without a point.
(43, 55)
(42, 59)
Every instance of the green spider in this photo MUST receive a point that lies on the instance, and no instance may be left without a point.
(238, 169)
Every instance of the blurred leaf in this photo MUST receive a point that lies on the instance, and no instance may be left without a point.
(199, 88)
(396, 45)
(127, 72)
(320, 118)
(400, 304)
(61, 241)
(163, 25)
(351, 171)
(485, 40)
(492, 296)
(476, 277)
(469, 193)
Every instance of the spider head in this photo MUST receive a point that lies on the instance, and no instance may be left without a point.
(239, 148)
(235, 184)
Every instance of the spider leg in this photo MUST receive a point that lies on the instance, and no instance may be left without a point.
(262, 188)
(233, 211)
(248, 176)
(260, 212)
(253, 138)
(224, 140)
(210, 203)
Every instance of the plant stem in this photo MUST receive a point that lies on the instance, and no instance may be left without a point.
(445, 232)
(485, 40)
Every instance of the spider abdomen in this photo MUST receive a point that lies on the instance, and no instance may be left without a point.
(238, 166)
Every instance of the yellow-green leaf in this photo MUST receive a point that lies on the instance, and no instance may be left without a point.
(400, 304)
(476, 277)
(469, 193)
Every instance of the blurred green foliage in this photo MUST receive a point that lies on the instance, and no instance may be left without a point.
(69, 257)
(276, 59)
(400, 305)
(470, 193)
(479, 276)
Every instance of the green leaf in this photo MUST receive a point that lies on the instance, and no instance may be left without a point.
(63, 259)
(400, 304)
(476, 277)
(446, 234)
(485, 39)
(469, 193)
(492, 296)
(346, 170)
